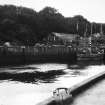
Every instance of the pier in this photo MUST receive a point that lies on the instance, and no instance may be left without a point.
(95, 95)
(74, 91)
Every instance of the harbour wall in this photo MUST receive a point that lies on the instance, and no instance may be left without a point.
(24, 55)
(74, 91)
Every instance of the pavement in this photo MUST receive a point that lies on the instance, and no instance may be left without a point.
(92, 96)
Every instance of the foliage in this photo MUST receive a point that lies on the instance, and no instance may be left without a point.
(26, 26)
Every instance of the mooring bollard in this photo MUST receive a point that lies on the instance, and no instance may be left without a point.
(61, 95)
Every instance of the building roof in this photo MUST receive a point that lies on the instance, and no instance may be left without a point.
(67, 37)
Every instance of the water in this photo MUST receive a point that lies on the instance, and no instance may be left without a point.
(31, 84)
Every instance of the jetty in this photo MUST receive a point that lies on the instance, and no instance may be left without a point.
(65, 98)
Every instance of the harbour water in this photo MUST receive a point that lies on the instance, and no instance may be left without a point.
(32, 84)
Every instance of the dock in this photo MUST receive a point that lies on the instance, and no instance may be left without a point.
(66, 99)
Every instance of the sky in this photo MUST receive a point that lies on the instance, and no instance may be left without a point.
(92, 10)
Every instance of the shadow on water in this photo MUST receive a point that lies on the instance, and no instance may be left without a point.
(35, 77)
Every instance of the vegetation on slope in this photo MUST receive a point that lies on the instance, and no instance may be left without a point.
(25, 26)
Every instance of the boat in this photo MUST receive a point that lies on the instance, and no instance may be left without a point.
(88, 51)
(87, 55)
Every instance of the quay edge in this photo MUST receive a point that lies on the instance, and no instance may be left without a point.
(27, 55)
(75, 90)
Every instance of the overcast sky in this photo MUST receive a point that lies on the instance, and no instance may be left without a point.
(93, 10)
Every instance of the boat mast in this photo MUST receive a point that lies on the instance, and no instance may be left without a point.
(85, 31)
(90, 40)
(91, 28)
(77, 27)
(101, 30)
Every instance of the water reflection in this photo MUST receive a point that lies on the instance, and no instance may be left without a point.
(23, 68)
(89, 63)
(76, 73)
(79, 67)
(44, 73)
(76, 66)
(84, 64)
(33, 77)
(36, 82)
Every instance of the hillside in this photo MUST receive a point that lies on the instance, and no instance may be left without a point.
(25, 26)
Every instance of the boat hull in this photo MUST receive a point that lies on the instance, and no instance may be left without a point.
(90, 57)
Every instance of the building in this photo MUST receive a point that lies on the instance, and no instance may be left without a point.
(61, 38)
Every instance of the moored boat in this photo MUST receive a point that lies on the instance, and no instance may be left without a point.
(99, 55)
(88, 51)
